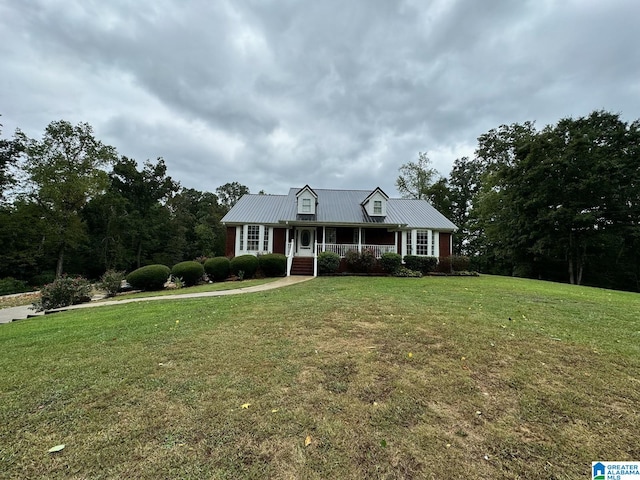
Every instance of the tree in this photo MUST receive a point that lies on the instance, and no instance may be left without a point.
(416, 178)
(564, 195)
(23, 236)
(230, 193)
(439, 195)
(10, 151)
(65, 171)
(145, 194)
(196, 217)
(464, 184)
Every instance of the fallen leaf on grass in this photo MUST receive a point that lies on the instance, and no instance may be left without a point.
(245, 405)
(57, 448)
(307, 441)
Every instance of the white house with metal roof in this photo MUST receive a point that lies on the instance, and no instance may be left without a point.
(309, 221)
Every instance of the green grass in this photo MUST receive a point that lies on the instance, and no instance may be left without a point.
(207, 287)
(389, 378)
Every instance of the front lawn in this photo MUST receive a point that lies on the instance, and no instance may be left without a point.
(353, 377)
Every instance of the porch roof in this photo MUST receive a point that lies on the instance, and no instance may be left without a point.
(336, 207)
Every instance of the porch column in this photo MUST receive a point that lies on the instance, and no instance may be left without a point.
(324, 237)
(395, 243)
(360, 239)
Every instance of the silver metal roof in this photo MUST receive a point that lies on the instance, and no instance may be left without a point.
(336, 207)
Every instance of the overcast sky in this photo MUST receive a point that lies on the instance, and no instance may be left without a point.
(330, 93)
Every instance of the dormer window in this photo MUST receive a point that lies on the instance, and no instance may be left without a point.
(307, 200)
(376, 203)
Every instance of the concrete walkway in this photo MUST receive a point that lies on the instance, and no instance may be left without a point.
(11, 314)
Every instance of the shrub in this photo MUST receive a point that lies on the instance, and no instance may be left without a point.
(273, 264)
(367, 260)
(407, 272)
(10, 285)
(444, 265)
(420, 264)
(352, 258)
(328, 262)
(412, 262)
(390, 262)
(151, 277)
(62, 292)
(43, 278)
(248, 264)
(460, 263)
(217, 268)
(190, 272)
(111, 281)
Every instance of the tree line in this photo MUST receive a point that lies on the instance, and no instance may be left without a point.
(559, 203)
(71, 204)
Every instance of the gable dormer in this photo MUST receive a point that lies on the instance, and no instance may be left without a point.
(307, 200)
(376, 203)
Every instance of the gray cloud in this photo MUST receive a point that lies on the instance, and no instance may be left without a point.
(334, 94)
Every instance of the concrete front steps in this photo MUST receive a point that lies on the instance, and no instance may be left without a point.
(302, 266)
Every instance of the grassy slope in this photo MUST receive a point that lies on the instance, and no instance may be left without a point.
(155, 390)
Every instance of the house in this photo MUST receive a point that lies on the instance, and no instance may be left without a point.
(309, 221)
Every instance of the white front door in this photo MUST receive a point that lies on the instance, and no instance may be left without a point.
(306, 241)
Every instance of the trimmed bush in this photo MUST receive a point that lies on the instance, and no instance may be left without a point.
(247, 264)
(10, 285)
(420, 264)
(111, 281)
(390, 262)
(352, 259)
(460, 263)
(190, 272)
(151, 277)
(367, 260)
(444, 265)
(328, 262)
(273, 264)
(62, 292)
(218, 268)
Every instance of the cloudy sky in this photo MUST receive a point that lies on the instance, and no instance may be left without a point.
(333, 93)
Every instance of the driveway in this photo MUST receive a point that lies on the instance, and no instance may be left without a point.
(11, 314)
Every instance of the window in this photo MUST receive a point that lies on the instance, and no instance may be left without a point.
(253, 237)
(357, 236)
(306, 205)
(377, 207)
(422, 242)
(409, 246)
(433, 243)
(331, 236)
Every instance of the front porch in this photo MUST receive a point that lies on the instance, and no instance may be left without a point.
(308, 264)
(342, 248)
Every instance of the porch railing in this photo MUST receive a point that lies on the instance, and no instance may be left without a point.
(342, 248)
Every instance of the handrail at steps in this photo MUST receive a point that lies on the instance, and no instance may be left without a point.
(290, 259)
(315, 260)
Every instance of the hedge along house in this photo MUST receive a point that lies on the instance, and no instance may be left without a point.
(306, 222)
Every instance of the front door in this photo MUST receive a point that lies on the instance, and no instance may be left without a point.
(306, 242)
